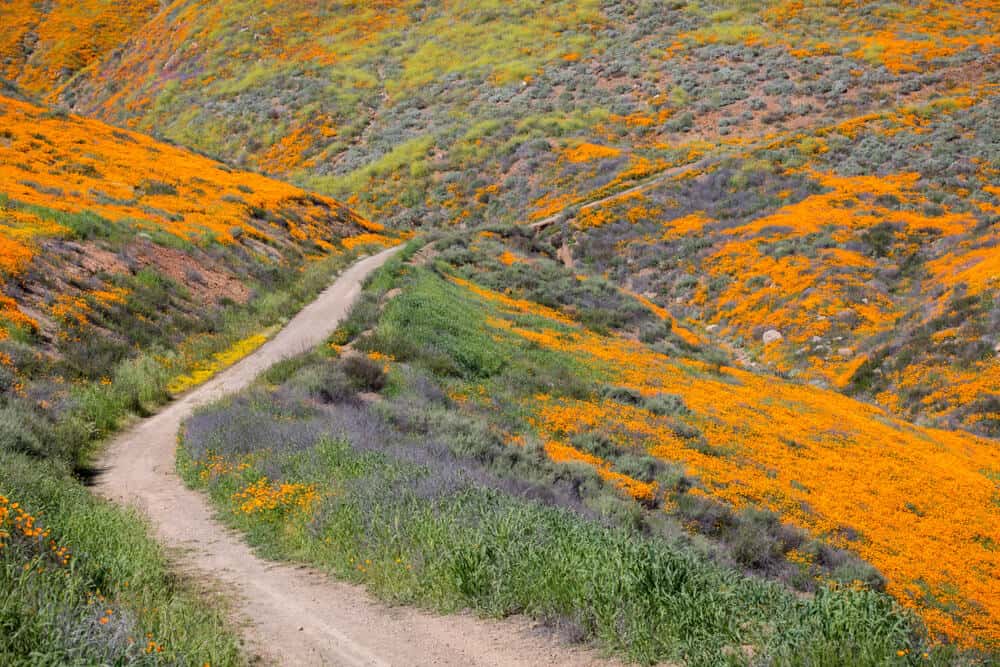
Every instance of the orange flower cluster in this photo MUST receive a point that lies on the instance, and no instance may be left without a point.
(10, 314)
(977, 268)
(511, 304)
(900, 37)
(918, 503)
(685, 225)
(73, 164)
(352, 242)
(551, 204)
(290, 151)
(17, 523)
(945, 387)
(801, 297)
(683, 333)
(561, 452)
(66, 37)
(508, 258)
(263, 496)
(18, 229)
(586, 152)
(215, 466)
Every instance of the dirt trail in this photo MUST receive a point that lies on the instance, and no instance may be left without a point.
(652, 181)
(295, 615)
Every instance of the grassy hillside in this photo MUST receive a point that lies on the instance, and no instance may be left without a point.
(733, 264)
(556, 104)
(457, 445)
(130, 269)
(868, 245)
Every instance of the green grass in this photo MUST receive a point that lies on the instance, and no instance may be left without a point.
(50, 614)
(485, 550)
(46, 450)
(432, 509)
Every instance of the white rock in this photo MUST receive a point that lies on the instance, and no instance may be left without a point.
(772, 336)
(712, 328)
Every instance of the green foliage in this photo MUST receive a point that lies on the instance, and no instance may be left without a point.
(49, 614)
(435, 323)
(425, 504)
(456, 543)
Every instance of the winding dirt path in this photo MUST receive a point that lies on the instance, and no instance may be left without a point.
(650, 182)
(294, 615)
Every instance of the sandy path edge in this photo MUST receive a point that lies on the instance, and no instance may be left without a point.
(294, 615)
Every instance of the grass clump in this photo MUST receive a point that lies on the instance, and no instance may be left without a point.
(88, 585)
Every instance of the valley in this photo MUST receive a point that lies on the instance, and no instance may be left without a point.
(647, 331)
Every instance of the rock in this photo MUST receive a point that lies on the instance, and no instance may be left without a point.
(848, 317)
(712, 328)
(772, 336)
(565, 255)
(845, 351)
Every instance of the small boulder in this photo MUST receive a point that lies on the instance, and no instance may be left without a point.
(772, 336)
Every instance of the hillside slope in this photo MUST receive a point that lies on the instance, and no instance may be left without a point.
(130, 269)
(85, 205)
(752, 247)
(556, 104)
(120, 250)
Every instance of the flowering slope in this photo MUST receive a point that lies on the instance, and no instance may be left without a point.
(72, 179)
(879, 273)
(917, 503)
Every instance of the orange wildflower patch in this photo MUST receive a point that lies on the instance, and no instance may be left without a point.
(10, 314)
(85, 165)
(683, 333)
(66, 37)
(586, 152)
(978, 270)
(551, 204)
(801, 296)
(903, 38)
(263, 496)
(512, 305)
(944, 387)
(17, 231)
(915, 502)
(594, 216)
(688, 224)
(289, 152)
(16, 523)
(351, 242)
(564, 453)
(508, 258)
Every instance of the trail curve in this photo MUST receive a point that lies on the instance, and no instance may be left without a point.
(290, 614)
